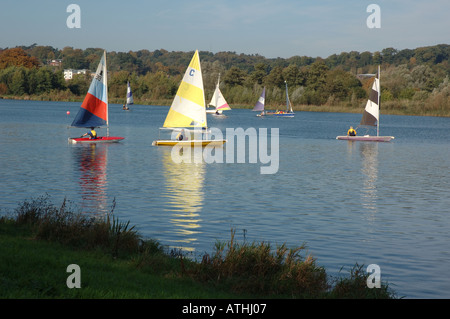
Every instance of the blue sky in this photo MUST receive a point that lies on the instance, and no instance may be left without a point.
(272, 28)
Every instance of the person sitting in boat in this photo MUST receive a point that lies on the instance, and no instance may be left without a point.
(124, 107)
(180, 136)
(92, 134)
(351, 131)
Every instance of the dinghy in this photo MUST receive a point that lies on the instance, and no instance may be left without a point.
(187, 114)
(371, 116)
(218, 102)
(93, 111)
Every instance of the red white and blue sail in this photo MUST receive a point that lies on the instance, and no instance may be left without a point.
(94, 109)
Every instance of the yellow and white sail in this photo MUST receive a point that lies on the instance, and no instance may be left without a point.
(188, 107)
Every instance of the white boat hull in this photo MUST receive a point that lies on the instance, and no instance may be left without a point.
(189, 143)
(366, 138)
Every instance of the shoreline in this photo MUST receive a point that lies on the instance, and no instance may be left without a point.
(339, 108)
(138, 267)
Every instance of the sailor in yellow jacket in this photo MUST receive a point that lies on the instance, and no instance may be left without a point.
(92, 134)
(351, 132)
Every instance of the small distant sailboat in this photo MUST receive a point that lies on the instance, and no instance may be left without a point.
(289, 112)
(188, 110)
(371, 116)
(93, 111)
(259, 106)
(218, 101)
(129, 100)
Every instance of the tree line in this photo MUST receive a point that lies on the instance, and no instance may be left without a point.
(417, 77)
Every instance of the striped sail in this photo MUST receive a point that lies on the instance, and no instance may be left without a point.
(372, 111)
(129, 95)
(260, 103)
(218, 101)
(188, 107)
(94, 109)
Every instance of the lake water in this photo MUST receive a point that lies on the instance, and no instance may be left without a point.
(349, 202)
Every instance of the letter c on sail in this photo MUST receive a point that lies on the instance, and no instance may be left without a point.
(191, 73)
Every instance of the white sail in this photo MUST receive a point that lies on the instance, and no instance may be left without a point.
(218, 101)
(129, 95)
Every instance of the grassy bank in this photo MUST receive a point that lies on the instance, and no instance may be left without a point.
(40, 240)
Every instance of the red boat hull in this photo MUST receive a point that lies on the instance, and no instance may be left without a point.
(101, 139)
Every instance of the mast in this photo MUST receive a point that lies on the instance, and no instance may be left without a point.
(287, 98)
(105, 74)
(217, 95)
(379, 92)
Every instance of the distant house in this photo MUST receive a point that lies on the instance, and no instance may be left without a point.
(55, 62)
(69, 73)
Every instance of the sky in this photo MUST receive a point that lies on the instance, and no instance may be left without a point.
(271, 28)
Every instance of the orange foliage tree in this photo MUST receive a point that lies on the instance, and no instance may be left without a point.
(17, 57)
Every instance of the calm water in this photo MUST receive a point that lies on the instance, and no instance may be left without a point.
(370, 203)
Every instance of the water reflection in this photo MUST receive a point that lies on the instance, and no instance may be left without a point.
(369, 168)
(91, 161)
(184, 196)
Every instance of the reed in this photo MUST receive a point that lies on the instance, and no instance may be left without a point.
(354, 286)
(242, 269)
(260, 269)
(78, 230)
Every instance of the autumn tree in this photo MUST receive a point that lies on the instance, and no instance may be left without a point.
(17, 57)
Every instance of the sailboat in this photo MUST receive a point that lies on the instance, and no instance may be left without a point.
(93, 111)
(371, 116)
(259, 106)
(289, 112)
(218, 101)
(187, 113)
(129, 100)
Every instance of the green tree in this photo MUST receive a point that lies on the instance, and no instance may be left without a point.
(79, 84)
(74, 59)
(18, 82)
(257, 76)
(317, 74)
(275, 78)
(234, 77)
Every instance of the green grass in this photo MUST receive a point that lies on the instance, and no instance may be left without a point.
(33, 268)
(41, 240)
